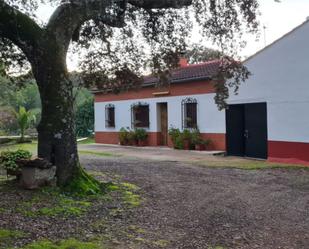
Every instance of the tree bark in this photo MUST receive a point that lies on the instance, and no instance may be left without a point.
(57, 140)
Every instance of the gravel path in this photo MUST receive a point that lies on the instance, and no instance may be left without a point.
(195, 207)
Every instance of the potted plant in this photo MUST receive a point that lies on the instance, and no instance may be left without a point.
(187, 137)
(123, 136)
(132, 138)
(141, 136)
(197, 140)
(10, 161)
(176, 138)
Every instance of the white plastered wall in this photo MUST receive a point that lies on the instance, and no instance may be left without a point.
(280, 77)
(210, 120)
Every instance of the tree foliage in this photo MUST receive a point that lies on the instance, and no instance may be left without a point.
(114, 40)
(85, 118)
(197, 53)
(24, 119)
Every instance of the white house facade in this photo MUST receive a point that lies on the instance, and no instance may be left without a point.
(268, 119)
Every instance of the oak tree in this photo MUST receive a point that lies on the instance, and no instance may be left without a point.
(113, 40)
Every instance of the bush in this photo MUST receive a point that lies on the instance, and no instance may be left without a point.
(141, 134)
(9, 159)
(123, 136)
(84, 119)
(174, 133)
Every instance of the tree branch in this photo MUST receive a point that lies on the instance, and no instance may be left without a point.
(160, 4)
(19, 28)
(68, 17)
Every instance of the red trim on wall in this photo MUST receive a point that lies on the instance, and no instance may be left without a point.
(179, 89)
(154, 139)
(288, 152)
(112, 138)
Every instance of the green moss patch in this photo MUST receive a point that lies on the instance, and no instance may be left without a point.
(52, 202)
(64, 244)
(8, 236)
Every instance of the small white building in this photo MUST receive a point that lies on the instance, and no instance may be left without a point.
(268, 119)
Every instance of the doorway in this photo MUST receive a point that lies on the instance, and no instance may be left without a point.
(163, 123)
(246, 130)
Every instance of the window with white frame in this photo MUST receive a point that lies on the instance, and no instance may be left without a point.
(189, 113)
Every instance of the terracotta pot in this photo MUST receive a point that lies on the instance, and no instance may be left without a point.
(200, 147)
(186, 144)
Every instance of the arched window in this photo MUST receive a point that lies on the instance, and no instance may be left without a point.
(109, 116)
(189, 113)
(140, 115)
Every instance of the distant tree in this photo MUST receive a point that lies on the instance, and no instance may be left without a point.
(24, 119)
(85, 118)
(197, 53)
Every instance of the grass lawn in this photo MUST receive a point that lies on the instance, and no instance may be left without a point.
(32, 147)
(246, 164)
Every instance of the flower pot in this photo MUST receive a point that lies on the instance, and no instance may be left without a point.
(200, 147)
(186, 144)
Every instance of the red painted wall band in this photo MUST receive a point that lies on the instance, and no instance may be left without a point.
(288, 152)
(177, 89)
(218, 139)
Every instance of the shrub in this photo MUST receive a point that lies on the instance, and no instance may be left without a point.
(132, 137)
(123, 136)
(9, 159)
(174, 133)
(141, 134)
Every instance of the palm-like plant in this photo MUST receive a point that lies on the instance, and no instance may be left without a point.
(24, 119)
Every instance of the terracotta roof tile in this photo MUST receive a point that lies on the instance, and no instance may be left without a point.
(191, 72)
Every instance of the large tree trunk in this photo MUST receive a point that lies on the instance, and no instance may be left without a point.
(56, 140)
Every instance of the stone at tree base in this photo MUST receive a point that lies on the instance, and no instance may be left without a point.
(37, 173)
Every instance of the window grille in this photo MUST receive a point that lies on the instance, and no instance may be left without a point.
(189, 113)
(109, 116)
(140, 115)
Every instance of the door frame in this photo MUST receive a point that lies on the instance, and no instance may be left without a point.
(163, 141)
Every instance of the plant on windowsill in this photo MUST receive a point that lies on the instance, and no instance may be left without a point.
(141, 136)
(123, 136)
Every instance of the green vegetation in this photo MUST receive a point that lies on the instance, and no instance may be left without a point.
(84, 118)
(9, 159)
(60, 204)
(246, 164)
(187, 139)
(83, 184)
(24, 120)
(95, 153)
(64, 244)
(8, 236)
(89, 140)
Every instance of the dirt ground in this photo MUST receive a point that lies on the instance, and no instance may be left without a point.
(199, 207)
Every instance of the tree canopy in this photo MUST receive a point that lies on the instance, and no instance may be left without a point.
(114, 40)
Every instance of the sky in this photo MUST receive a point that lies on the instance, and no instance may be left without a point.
(278, 18)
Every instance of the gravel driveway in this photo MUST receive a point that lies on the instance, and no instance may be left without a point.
(199, 207)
